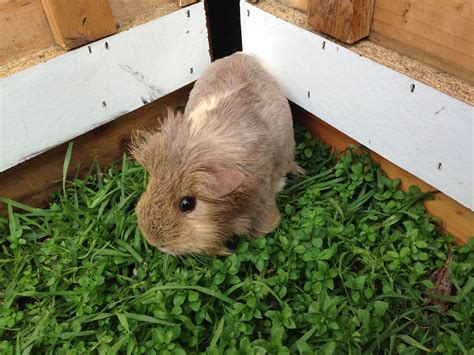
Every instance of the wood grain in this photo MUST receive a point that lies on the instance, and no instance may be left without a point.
(456, 219)
(24, 28)
(75, 23)
(32, 181)
(437, 32)
(183, 3)
(345, 20)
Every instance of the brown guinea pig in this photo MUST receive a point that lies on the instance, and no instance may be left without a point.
(215, 171)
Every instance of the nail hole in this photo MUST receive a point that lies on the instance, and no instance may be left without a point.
(412, 87)
(187, 32)
(90, 49)
(248, 13)
(440, 166)
(145, 101)
(188, 13)
(324, 44)
(191, 70)
(84, 21)
(309, 94)
(106, 45)
(104, 104)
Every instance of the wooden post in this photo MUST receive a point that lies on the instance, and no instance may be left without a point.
(345, 20)
(75, 23)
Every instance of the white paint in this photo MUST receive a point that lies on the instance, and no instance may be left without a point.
(369, 102)
(50, 103)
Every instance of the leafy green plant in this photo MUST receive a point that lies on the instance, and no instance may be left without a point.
(348, 270)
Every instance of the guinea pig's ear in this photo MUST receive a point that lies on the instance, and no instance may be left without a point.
(141, 147)
(219, 182)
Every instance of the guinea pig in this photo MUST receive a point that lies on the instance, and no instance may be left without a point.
(215, 170)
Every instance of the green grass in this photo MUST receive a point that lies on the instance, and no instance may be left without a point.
(347, 271)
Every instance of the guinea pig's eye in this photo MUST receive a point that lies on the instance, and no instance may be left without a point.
(187, 204)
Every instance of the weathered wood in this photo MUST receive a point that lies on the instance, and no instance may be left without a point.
(437, 32)
(75, 23)
(345, 20)
(456, 219)
(183, 3)
(25, 29)
(32, 181)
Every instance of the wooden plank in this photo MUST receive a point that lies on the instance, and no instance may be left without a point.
(345, 20)
(456, 219)
(75, 23)
(51, 103)
(25, 29)
(416, 127)
(183, 3)
(32, 182)
(436, 32)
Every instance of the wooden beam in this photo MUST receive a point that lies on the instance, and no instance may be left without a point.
(33, 181)
(75, 23)
(456, 219)
(345, 20)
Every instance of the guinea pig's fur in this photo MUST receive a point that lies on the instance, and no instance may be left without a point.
(231, 150)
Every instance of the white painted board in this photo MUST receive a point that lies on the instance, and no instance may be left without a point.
(412, 125)
(48, 104)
